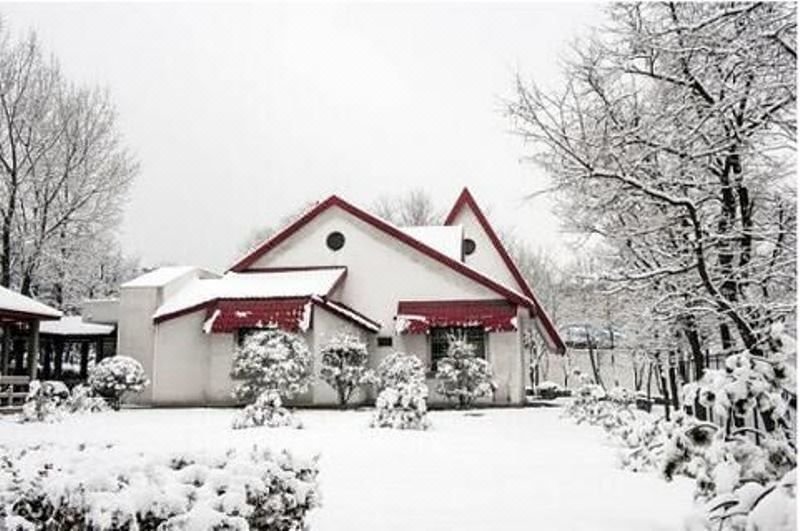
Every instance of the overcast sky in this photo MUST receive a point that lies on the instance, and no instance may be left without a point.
(241, 113)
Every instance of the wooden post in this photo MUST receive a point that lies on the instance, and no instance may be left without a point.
(33, 349)
(19, 357)
(6, 350)
(84, 360)
(47, 347)
(59, 357)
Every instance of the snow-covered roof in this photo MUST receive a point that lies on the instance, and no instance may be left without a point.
(11, 301)
(262, 285)
(444, 238)
(74, 325)
(159, 277)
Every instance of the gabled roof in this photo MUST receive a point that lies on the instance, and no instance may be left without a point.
(15, 305)
(389, 229)
(465, 200)
(262, 285)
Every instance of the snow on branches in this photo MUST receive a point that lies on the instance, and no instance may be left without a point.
(115, 376)
(267, 410)
(106, 488)
(402, 399)
(734, 468)
(672, 141)
(463, 377)
(343, 365)
(271, 365)
(50, 401)
(271, 360)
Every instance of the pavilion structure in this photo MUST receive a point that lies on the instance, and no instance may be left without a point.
(20, 319)
(69, 344)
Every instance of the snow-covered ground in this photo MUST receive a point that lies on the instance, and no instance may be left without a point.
(509, 469)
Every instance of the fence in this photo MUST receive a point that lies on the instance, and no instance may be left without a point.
(13, 390)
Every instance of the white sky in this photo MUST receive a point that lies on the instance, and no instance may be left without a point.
(239, 113)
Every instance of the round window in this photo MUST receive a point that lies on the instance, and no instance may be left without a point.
(468, 246)
(335, 241)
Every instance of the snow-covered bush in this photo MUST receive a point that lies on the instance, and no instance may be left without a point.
(621, 395)
(343, 365)
(83, 400)
(403, 407)
(462, 376)
(43, 403)
(271, 360)
(402, 400)
(105, 488)
(747, 386)
(399, 368)
(268, 411)
(549, 390)
(50, 401)
(115, 376)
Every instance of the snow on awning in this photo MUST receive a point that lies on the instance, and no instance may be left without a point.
(292, 315)
(199, 293)
(418, 317)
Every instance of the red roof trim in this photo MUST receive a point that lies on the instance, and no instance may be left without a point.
(465, 199)
(386, 228)
(290, 269)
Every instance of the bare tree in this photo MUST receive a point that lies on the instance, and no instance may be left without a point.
(261, 234)
(411, 209)
(64, 170)
(672, 140)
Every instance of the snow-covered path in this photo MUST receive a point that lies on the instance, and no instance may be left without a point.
(509, 469)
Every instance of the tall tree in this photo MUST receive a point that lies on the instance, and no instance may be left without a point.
(64, 170)
(672, 139)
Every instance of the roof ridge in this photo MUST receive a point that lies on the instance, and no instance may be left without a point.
(392, 230)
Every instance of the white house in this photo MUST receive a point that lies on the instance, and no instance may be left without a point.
(336, 268)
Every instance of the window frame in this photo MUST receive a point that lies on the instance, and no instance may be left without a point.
(438, 342)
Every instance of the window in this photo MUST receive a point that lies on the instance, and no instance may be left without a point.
(335, 241)
(440, 339)
(384, 341)
(468, 246)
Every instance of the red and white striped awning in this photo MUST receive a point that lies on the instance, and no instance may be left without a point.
(292, 314)
(418, 317)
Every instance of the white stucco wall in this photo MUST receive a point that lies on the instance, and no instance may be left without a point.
(183, 356)
(135, 335)
(485, 259)
(380, 270)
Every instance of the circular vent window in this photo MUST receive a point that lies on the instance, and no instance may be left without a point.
(468, 246)
(335, 241)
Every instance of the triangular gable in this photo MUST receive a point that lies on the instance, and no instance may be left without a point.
(388, 229)
(466, 203)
